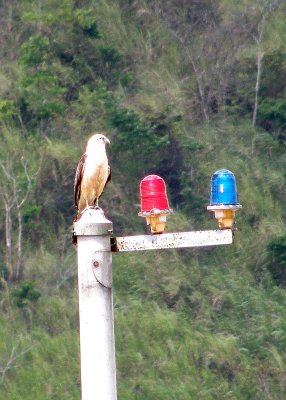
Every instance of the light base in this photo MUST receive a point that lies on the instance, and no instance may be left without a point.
(225, 214)
(157, 223)
(156, 219)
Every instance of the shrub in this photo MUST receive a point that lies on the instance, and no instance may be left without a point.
(26, 294)
(276, 250)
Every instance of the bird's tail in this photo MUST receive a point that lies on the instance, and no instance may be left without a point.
(74, 237)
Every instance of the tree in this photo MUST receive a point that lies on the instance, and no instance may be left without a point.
(20, 160)
(14, 196)
(17, 352)
(265, 9)
(209, 42)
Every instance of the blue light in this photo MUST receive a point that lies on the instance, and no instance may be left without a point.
(223, 188)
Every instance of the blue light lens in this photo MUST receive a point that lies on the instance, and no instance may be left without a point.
(223, 188)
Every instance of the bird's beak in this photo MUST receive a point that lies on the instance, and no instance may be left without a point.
(107, 141)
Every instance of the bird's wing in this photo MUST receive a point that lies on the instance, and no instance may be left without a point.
(78, 178)
(108, 178)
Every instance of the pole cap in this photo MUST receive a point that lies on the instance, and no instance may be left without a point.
(93, 223)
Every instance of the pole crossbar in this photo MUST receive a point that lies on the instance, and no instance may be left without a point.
(171, 240)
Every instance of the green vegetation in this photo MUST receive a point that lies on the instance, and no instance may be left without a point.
(182, 89)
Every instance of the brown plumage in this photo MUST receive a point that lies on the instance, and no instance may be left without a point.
(92, 174)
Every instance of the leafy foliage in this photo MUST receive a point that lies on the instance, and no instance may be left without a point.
(173, 84)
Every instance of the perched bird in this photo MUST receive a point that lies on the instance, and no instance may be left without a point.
(92, 174)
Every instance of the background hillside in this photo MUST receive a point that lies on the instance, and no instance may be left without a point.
(182, 88)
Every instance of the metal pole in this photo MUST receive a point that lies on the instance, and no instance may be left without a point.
(97, 348)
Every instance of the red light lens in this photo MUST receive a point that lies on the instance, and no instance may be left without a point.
(153, 194)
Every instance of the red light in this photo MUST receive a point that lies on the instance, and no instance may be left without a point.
(153, 195)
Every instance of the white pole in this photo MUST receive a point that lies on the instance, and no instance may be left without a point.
(97, 348)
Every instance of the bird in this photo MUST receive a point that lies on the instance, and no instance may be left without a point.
(92, 174)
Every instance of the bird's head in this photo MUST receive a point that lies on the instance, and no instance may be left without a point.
(98, 140)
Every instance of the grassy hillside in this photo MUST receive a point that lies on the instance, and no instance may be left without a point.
(176, 95)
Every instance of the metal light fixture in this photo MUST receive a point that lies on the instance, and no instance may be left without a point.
(154, 203)
(223, 199)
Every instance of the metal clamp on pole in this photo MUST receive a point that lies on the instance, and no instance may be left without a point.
(97, 347)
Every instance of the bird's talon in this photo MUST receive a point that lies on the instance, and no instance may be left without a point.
(87, 208)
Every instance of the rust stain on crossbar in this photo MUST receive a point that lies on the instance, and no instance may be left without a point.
(171, 240)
